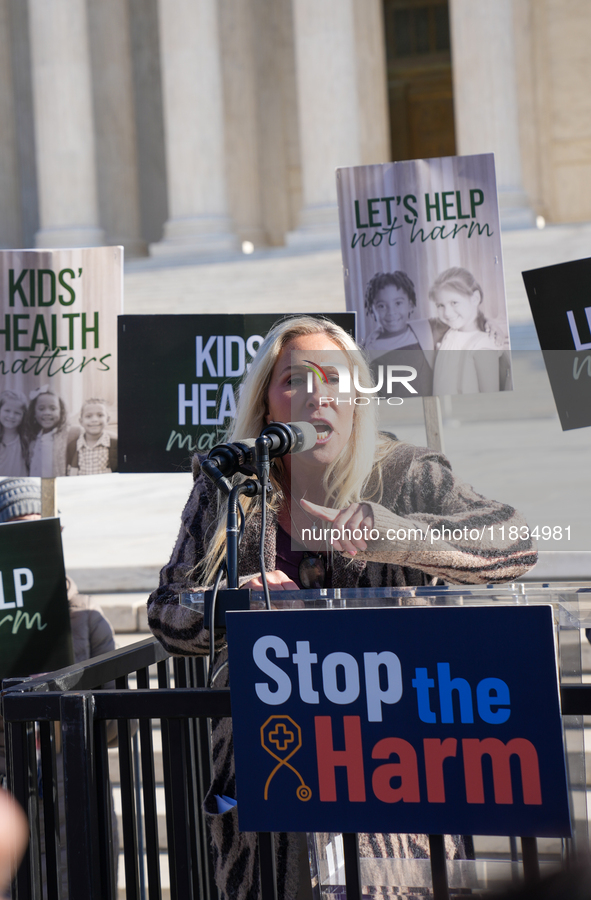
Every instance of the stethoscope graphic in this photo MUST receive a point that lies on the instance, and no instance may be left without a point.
(285, 737)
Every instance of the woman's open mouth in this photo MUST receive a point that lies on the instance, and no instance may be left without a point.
(323, 431)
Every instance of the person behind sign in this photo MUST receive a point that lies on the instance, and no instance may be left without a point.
(48, 432)
(398, 339)
(14, 446)
(354, 478)
(468, 357)
(94, 452)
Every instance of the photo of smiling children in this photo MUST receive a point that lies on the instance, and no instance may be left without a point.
(397, 338)
(94, 451)
(468, 359)
(47, 425)
(14, 446)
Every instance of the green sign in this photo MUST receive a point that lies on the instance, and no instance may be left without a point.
(178, 375)
(35, 632)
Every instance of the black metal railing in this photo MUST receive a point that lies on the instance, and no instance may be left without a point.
(57, 756)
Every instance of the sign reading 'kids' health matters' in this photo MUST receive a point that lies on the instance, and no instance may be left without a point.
(560, 300)
(437, 721)
(58, 360)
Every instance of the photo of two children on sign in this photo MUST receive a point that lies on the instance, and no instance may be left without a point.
(455, 349)
(39, 437)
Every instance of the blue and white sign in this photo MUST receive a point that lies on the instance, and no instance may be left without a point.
(433, 720)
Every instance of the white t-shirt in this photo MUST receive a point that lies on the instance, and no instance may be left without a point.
(455, 367)
(42, 454)
(11, 458)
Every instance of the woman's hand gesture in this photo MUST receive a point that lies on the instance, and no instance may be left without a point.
(350, 527)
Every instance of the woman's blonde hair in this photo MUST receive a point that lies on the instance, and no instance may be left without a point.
(347, 479)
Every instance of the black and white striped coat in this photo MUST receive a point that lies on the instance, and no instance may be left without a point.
(420, 493)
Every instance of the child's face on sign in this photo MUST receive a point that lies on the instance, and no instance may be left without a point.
(94, 419)
(47, 411)
(458, 310)
(392, 308)
(11, 414)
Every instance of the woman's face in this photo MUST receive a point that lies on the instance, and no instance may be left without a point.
(11, 414)
(47, 411)
(288, 399)
(392, 308)
(458, 310)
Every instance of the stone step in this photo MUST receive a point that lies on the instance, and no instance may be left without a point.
(126, 611)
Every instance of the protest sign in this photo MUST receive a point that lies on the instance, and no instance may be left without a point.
(35, 632)
(561, 309)
(436, 721)
(58, 336)
(177, 378)
(421, 246)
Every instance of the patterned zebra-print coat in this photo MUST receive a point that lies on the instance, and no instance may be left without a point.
(419, 492)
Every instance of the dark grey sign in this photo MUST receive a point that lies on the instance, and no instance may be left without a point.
(560, 300)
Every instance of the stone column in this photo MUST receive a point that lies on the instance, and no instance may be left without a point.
(341, 83)
(64, 127)
(10, 201)
(116, 144)
(198, 220)
(238, 28)
(485, 97)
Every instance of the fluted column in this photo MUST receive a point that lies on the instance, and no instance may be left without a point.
(194, 130)
(64, 127)
(10, 201)
(341, 83)
(116, 139)
(485, 97)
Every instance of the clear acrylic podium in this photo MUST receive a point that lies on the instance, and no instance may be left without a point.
(497, 860)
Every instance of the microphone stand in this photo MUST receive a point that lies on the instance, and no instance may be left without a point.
(217, 602)
(248, 488)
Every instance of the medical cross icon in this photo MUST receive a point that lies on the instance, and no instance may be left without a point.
(279, 735)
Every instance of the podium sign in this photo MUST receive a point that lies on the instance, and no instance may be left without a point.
(437, 721)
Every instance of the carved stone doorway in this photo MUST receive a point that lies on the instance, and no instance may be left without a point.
(420, 92)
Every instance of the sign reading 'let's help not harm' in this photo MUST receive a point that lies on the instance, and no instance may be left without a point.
(431, 720)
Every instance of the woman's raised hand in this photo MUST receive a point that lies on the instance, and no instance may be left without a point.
(350, 527)
(277, 581)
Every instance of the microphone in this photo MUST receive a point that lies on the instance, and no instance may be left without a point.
(293, 437)
(277, 439)
(231, 457)
(227, 459)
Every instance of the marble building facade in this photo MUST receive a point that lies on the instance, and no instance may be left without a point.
(185, 127)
